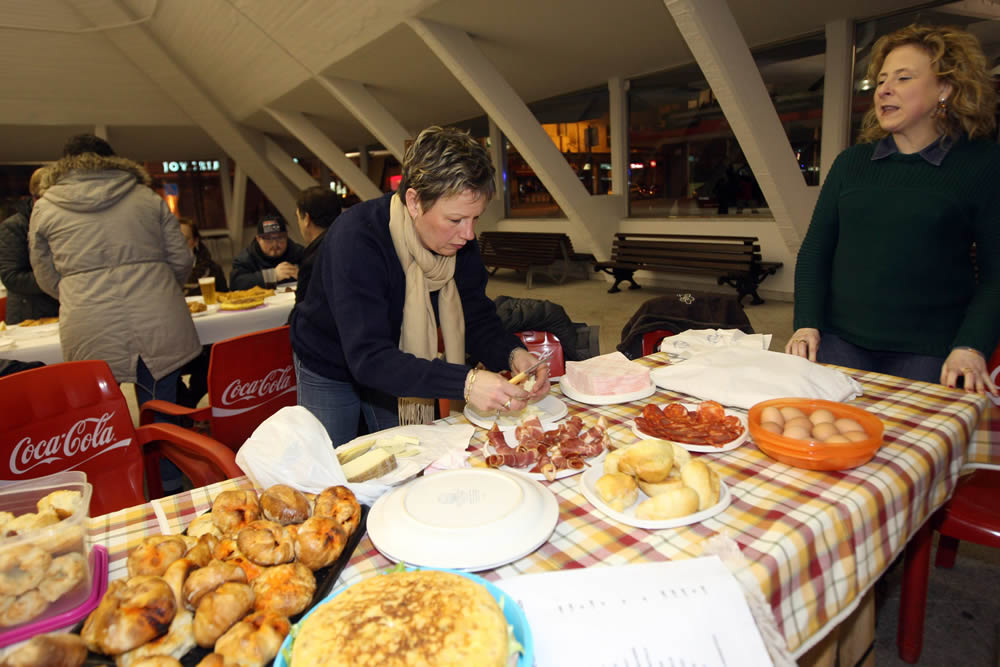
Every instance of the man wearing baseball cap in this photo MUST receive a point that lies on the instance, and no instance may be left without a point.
(272, 257)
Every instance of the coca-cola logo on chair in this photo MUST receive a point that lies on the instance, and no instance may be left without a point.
(242, 396)
(86, 439)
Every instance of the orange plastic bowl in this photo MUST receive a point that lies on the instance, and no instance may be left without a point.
(814, 455)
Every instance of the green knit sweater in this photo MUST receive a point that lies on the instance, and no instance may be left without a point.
(885, 264)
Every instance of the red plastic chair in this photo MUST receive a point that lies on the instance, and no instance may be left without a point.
(972, 514)
(651, 340)
(3, 309)
(250, 377)
(543, 341)
(73, 416)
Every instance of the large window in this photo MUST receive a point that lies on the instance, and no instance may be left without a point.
(684, 159)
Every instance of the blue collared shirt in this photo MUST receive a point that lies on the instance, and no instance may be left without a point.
(933, 153)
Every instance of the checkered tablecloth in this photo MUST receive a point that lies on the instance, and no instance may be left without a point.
(814, 541)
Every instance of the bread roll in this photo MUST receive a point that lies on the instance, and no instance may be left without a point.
(681, 455)
(703, 480)
(611, 461)
(618, 490)
(649, 460)
(670, 505)
(656, 488)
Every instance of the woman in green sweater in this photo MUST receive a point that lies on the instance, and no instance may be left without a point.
(884, 280)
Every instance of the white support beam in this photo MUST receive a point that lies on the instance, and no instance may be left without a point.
(364, 161)
(328, 152)
(284, 162)
(137, 44)
(238, 207)
(369, 112)
(496, 96)
(227, 189)
(618, 127)
(498, 152)
(718, 46)
(837, 82)
(101, 131)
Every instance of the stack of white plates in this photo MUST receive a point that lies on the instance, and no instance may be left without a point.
(469, 519)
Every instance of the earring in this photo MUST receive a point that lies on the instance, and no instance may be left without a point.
(942, 107)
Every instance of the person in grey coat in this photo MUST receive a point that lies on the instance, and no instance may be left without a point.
(110, 250)
(25, 299)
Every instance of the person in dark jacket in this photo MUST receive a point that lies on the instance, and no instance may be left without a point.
(204, 265)
(390, 273)
(25, 299)
(271, 259)
(315, 210)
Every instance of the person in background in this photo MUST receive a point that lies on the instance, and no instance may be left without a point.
(315, 210)
(204, 265)
(25, 299)
(272, 258)
(392, 270)
(884, 280)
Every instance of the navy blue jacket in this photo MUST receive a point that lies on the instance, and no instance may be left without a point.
(347, 327)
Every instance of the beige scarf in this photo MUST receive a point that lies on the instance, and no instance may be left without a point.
(425, 273)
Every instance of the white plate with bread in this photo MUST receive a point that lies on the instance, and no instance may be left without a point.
(603, 399)
(683, 490)
(548, 410)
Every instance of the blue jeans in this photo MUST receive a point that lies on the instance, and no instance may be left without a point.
(339, 405)
(165, 389)
(835, 350)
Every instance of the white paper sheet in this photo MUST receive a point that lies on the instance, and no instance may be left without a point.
(689, 612)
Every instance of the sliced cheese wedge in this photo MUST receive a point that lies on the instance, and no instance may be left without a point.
(371, 464)
(348, 453)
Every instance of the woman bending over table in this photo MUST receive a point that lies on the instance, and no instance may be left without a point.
(393, 270)
(884, 280)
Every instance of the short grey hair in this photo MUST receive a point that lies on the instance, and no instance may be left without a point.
(445, 162)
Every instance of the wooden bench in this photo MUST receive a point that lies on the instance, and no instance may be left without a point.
(734, 260)
(549, 252)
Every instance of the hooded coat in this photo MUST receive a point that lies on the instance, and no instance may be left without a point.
(110, 250)
(25, 299)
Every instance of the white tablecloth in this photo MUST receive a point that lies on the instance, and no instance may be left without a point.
(211, 328)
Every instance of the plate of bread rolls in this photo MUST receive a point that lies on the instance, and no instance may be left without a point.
(655, 484)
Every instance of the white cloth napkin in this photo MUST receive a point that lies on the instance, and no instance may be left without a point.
(740, 377)
(693, 342)
(292, 447)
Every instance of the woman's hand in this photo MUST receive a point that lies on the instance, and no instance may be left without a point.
(492, 392)
(971, 365)
(804, 343)
(522, 359)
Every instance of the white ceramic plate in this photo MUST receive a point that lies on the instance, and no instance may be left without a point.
(470, 519)
(725, 447)
(37, 331)
(552, 410)
(282, 297)
(606, 399)
(214, 308)
(568, 472)
(588, 482)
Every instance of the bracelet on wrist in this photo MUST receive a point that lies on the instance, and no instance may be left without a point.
(469, 379)
(970, 349)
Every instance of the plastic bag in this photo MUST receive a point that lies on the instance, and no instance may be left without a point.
(292, 447)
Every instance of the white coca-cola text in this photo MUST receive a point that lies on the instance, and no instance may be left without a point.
(274, 382)
(90, 433)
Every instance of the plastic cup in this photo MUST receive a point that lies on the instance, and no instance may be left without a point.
(207, 286)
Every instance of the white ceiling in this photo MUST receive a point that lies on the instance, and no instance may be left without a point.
(64, 73)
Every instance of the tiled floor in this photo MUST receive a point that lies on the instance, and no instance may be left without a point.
(963, 607)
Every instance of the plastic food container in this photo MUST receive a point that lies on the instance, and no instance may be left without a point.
(811, 454)
(46, 572)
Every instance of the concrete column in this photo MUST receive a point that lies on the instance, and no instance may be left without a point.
(363, 161)
(369, 112)
(837, 89)
(498, 151)
(618, 127)
(238, 207)
(287, 166)
(101, 131)
(327, 151)
(227, 188)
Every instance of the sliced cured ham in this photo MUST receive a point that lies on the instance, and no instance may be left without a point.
(607, 375)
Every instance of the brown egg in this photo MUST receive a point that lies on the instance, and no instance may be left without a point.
(772, 427)
(801, 422)
(824, 431)
(795, 433)
(821, 416)
(773, 415)
(836, 438)
(844, 425)
(856, 436)
(791, 413)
